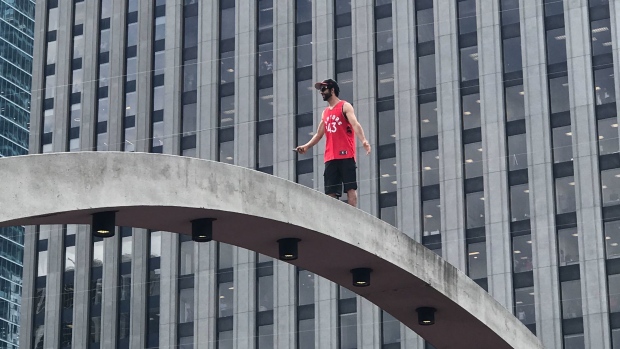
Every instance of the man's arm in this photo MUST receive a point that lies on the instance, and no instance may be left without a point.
(320, 131)
(357, 128)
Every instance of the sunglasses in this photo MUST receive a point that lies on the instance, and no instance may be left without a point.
(324, 88)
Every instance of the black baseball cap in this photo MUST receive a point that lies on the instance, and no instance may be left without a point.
(329, 83)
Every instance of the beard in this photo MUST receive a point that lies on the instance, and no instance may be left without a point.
(327, 96)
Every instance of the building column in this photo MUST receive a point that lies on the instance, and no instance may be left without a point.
(325, 314)
(28, 288)
(452, 198)
(118, 30)
(244, 318)
(82, 292)
(495, 169)
(284, 83)
(614, 14)
(205, 295)
(63, 76)
(90, 84)
(37, 94)
(365, 101)
(144, 78)
(245, 83)
(173, 76)
(139, 288)
(368, 324)
(540, 174)
(169, 290)
(109, 302)
(285, 307)
(53, 287)
(408, 215)
(587, 175)
(208, 84)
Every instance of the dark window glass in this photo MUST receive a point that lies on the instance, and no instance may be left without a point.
(571, 299)
(601, 37)
(225, 293)
(607, 136)
(473, 160)
(428, 119)
(343, 42)
(430, 167)
(477, 260)
(348, 331)
(565, 195)
(467, 16)
(604, 86)
(385, 80)
(390, 329)
(427, 73)
(524, 305)
(387, 131)
(471, 111)
(304, 50)
(469, 63)
(305, 288)
(612, 239)
(517, 152)
(475, 210)
(388, 180)
(610, 187)
(384, 34)
(515, 103)
(425, 25)
(558, 94)
(519, 202)
(568, 244)
(562, 144)
(431, 211)
(522, 253)
(556, 46)
(613, 285)
(512, 55)
(227, 23)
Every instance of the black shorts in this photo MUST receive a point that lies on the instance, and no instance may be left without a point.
(340, 172)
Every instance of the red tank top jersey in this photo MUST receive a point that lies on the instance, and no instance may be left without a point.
(340, 143)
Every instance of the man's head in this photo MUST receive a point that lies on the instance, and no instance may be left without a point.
(328, 88)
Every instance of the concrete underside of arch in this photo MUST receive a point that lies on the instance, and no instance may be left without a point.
(254, 210)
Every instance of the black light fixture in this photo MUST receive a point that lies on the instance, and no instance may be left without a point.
(361, 277)
(202, 229)
(426, 316)
(288, 249)
(103, 223)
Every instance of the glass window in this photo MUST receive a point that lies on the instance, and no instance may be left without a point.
(304, 134)
(428, 119)
(227, 23)
(601, 37)
(304, 51)
(613, 283)
(225, 340)
(227, 67)
(186, 305)
(227, 111)
(612, 239)
(155, 247)
(610, 187)
(608, 136)
(225, 256)
(265, 293)
(186, 342)
(431, 211)
(306, 334)
(467, 16)
(265, 337)
(186, 257)
(553, 7)
(524, 305)
(562, 144)
(265, 59)
(425, 25)
(565, 195)
(388, 181)
(571, 299)
(385, 80)
(348, 331)
(517, 152)
(265, 104)
(430, 167)
(605, 89)
(303, 10)
(471, 111)
(305, 287)
(512, 55)
(265, 150)
(304, 96)
(558, 94)
(556, 46)
(42, 264)
(615, 338)
(473, 160)
(190, 75)
(477, 260)
(384, 34)
(515, 103)
(522, 253)
(345, 82)
(345, 293)
(568, 245)
(427, 72)
(388, 214)
(265, 14)
(509, 11)
(469, 63)
(475, 209)
(390, 329)
(387, 127)
(519, 202)
(225, 299)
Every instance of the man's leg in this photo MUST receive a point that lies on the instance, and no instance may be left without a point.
(352, 197)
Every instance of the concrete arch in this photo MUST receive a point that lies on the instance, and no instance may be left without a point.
(253, 210)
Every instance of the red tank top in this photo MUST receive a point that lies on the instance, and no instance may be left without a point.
(340, 143)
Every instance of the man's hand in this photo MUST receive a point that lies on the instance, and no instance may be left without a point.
(366, 147)
(301, 149)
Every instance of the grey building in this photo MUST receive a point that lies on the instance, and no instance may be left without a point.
(16, 44)
(495, 136)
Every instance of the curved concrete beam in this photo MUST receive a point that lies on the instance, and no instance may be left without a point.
(253, 210)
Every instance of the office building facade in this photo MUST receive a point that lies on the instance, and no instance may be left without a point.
(495, 144)
(16, 45)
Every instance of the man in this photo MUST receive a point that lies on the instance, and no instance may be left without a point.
(340, 125)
